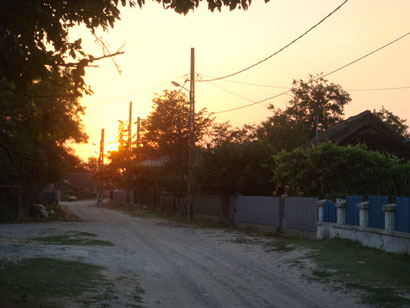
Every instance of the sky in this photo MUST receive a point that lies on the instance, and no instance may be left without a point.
(157, 45)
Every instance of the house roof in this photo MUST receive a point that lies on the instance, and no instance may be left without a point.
(81, 180)
(365, 128)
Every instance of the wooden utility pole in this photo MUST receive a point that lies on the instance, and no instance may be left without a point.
(138, 137)
(129, 140)
(191, 124)
(100, 185)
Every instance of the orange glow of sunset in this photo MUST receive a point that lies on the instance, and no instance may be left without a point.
(157, 50)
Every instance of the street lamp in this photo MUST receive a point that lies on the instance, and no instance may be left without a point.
(191, 126)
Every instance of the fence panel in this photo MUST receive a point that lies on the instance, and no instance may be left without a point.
(257, 210)
(301, 213)
(352, 212)
(213, 206)
(329, 212)
(376, 213)
(403, 215)
(166, 202)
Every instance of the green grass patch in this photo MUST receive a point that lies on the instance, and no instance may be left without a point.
(384, 277)
(283, 244)
(34, 282)
(73, 238)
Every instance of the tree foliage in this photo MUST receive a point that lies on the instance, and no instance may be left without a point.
(393, 121)
(235, 164)
(166, 131)
(317, 98)
(329, 168)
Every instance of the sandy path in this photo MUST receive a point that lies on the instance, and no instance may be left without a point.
(181, 266)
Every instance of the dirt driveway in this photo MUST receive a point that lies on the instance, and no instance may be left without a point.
(158, 264)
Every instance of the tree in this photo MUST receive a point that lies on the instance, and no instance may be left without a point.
(393, 121)
(35, 133)
(317, 103)
(34, 35)
(314, 101)
(230, 168)
(166, 132)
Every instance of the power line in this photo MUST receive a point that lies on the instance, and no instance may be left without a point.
(369, 54)
(249, 84)
(288, 88)
(378, 89)
(325, 75)
(130, 95)
(280, 50)
(233, 93)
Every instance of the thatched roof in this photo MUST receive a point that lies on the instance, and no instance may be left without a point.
(365, 128)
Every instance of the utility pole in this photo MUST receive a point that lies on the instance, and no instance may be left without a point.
(128, 175)
(191, 124)
(129, 143)
(138, 137)
(100, 186)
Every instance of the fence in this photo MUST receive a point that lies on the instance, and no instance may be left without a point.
(376, 213)
(216, 207)
(329, 212)
(381, 225)
(352, 211)
(301, 213)
(10, 201)
(257, 210)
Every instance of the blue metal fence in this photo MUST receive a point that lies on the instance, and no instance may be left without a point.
(352, 212)
(376, 213)
(403, 215)
(329, 212)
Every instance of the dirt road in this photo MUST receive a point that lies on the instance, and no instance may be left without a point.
(158, 264)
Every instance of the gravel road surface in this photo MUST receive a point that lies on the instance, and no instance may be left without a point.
(159, 264)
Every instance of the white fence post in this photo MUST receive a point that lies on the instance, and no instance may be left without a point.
(341, 212)
(363, 213)
(389, 214)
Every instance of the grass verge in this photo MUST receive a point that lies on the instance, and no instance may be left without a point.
(384, 277)
(39, 282)
(73, 238)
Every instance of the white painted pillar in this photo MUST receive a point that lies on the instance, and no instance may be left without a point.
(320, 205)
(389, 216)
(363, 213)
(341, 212)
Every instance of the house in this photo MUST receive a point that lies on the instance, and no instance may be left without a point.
(80, 185)
(365, 128)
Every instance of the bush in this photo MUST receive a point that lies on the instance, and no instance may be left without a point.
(328, 168)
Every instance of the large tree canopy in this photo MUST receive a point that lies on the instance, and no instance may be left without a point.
(34, 33)
(316, 100)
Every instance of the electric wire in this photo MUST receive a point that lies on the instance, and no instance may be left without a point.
(288, 88)
(231, 92)
(281, 49)
(129, 95)
(322, 76)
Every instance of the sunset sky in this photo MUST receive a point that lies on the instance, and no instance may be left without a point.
(157, 51)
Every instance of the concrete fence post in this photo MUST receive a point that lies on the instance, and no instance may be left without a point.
(389, 214)
(320, 205)
(363, 213)
(341, 212)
